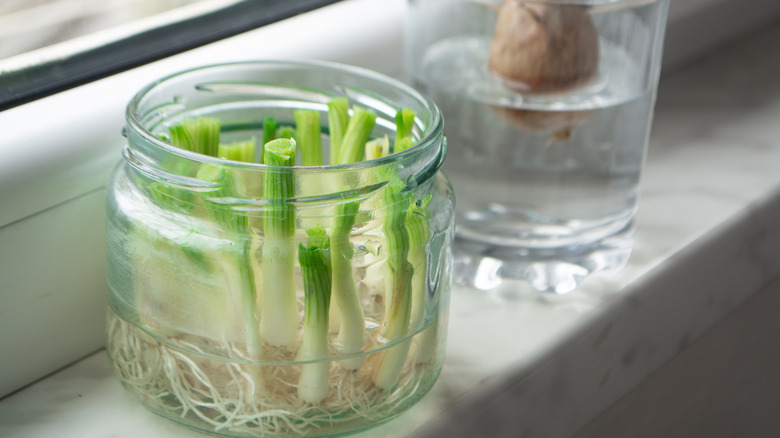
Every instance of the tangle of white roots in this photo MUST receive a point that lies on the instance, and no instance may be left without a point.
(241, 399)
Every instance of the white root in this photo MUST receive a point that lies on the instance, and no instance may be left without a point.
(221, 396)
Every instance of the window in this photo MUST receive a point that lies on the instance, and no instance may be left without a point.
(53, 45)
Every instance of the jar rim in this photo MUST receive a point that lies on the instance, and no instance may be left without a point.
(433, 132)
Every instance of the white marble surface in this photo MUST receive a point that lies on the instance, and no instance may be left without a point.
(521, 364)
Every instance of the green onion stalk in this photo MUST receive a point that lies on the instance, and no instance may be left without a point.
(377, 148)
(398, 289)
(199, 135)
(202, 136)
(154, 254)
(347, 141)
(347, 308)
(269, 133)
(238, 150)
(279, 322)
(419, 233)
(404, 125)
(357, 134)
(314, 260)
(284, 131)
(308, 136)
(237, 225)
(338, 119)
(405, 243)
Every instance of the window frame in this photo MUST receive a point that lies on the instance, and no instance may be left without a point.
(29, 83)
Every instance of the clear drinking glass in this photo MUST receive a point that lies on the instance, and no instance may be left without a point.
(195, 265)
(548, 106)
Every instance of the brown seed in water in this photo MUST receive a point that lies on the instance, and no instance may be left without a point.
(543, 47)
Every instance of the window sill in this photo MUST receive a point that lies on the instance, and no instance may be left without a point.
(705, 244)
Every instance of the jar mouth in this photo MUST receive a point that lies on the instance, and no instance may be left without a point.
(142, 110)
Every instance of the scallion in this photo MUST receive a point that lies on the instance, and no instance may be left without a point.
(269, 133)
(308, 136)
(358, 131)
(279, 321)
(199, 135)
(398, 282)
(238, 150)
(338, 119)
(377, 148)
(314, 260)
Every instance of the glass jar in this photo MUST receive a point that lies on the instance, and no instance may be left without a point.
(212, 325)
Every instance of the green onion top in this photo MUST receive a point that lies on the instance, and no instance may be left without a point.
(230, 187)
(285, 131)
(279, 187)
(238, 151)
(358, 131)
(338, 119)
(269, 133)
(308, 136)
(404, 123)
(199, 135)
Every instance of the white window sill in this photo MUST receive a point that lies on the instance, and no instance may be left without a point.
(706, 243)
